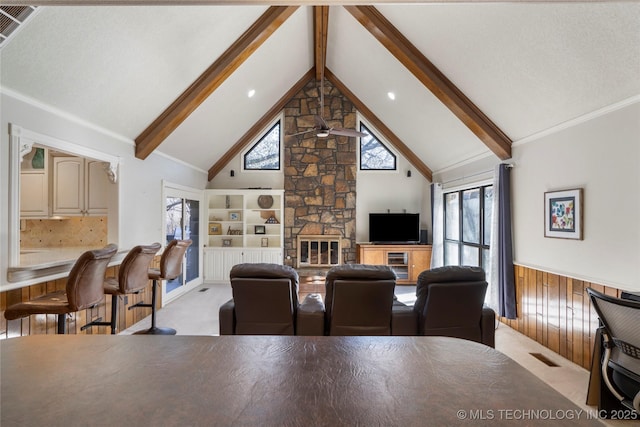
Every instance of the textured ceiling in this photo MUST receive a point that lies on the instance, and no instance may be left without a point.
(527, 66)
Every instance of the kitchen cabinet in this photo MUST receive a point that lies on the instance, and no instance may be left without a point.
(34, 185)
(34, 195)
(97, 188)
(408, 261)
(80, 187)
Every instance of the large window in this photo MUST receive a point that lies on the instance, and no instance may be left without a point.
(467, 226)
(374, 155)
(265, 154)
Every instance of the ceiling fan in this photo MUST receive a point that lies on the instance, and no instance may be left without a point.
(322, 129)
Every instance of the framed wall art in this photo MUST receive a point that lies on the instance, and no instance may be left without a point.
(215, 228)
(563, 214)
(259, 229)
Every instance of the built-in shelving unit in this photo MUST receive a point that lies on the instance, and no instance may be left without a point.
(243, 226)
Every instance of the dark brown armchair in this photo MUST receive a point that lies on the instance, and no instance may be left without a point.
(83, 289)
(359, 300)
(450, 302)
(265, 302)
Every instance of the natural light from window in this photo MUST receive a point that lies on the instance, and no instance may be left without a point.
(374, 155)
(265, 154)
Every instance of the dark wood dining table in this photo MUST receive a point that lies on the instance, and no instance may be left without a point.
(271, 381)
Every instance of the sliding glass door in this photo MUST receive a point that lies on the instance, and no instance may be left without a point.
(182, 222)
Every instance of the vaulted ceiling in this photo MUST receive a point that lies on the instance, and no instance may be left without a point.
(468, 78)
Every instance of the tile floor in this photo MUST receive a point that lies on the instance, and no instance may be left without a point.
(567, 378)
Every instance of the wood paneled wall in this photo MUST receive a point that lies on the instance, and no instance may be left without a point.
(556, 311)
(48, 323)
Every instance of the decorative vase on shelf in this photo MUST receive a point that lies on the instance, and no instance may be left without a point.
(38, 159)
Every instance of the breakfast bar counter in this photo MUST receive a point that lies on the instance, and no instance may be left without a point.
(37, 263)
(271, 381)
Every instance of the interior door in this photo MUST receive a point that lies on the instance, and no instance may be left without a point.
(182, 222)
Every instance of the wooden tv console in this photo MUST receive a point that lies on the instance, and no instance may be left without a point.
(408, 261)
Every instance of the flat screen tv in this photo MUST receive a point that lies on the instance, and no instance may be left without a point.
(394, 228)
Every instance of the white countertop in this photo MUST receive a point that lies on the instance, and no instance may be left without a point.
(41, 264)
(49, 257)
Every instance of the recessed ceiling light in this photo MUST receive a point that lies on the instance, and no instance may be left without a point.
(251, 93)
(391, 95)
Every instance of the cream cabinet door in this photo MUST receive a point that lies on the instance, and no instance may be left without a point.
(213, 261)
(68, 186)
(34, 194)
(219, 261)
(271, 256)
(97, 188)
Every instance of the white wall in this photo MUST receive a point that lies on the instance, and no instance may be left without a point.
(599, 153)
(248, 179)
(602, 156)
(376, 191)
(141, 203)
(379, 191)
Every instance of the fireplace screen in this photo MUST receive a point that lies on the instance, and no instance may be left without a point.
(318, 251)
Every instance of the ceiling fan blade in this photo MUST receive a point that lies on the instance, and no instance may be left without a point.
(346, 132)
(302, 133)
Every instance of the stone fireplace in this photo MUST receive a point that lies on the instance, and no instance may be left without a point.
(319, 173)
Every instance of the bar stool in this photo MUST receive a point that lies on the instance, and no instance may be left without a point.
(170, 268)
(133, 278)
(83, 289)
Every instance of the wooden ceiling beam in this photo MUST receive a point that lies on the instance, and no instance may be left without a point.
(321, 29)
(433, 79)
(381, 127)
(264, 121)
(211, 79)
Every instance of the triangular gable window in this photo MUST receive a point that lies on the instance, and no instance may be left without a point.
(374, 155)
(265, 154)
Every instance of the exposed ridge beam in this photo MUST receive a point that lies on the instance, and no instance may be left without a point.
(321, 29)
(380, 126)
(433, 79)
(211, 79)
(252, 133)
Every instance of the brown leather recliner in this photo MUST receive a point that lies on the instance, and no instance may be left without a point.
(359, 299)
(265, 302)
(450, 302)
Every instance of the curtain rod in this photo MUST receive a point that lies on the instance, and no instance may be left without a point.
(509, 166)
